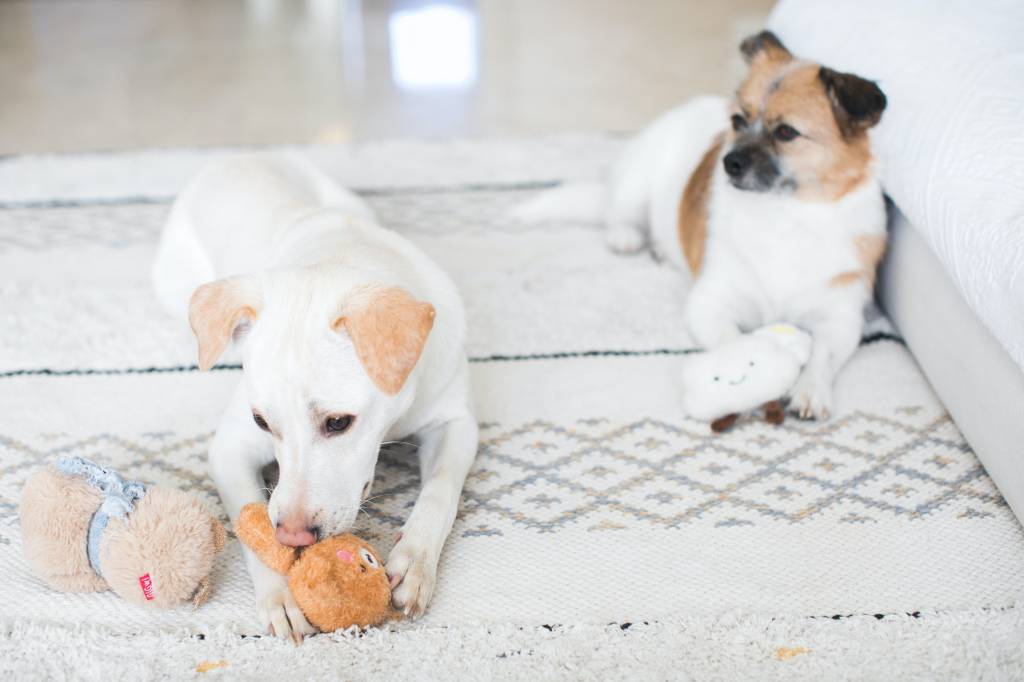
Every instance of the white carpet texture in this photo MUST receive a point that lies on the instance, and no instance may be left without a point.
(970, 645)
(593, 501)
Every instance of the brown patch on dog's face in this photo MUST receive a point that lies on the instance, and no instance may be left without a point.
(799, 127)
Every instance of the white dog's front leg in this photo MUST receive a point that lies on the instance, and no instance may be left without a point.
(237, 456)
(836, 337)
(709, 317)
(446, 454)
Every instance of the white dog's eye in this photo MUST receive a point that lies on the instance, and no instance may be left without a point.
(260, 421)
(339, 424)
(368, 558)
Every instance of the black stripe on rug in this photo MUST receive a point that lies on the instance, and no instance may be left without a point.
(158, 199)
(564, 355)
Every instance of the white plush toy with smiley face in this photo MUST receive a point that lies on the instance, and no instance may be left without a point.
(754, 370)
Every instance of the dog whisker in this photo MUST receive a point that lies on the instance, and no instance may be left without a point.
(377, 497)
(399, 442)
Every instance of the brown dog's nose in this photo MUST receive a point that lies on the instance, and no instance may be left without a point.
(294, 533)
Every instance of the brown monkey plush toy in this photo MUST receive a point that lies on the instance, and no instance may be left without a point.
(338, 582)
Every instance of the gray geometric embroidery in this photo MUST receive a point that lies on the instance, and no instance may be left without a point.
(971, 513)
(804, 471)
(593, 474)
(857, 518)
(733, 521)
(663, 497)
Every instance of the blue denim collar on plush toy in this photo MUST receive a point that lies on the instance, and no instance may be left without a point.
(119, 498)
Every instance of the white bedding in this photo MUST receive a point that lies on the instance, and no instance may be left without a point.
(951, 142)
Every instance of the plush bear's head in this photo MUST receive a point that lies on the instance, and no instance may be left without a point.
(162, 555)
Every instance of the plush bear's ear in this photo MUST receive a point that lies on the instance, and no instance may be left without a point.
(202, 594)
(220, 535)
(253, 528)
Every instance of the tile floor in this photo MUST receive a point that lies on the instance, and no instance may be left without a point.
(114, 74)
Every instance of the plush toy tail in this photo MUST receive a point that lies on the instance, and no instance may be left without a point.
(254, 530)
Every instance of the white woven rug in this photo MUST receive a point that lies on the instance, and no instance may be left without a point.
(593, 501)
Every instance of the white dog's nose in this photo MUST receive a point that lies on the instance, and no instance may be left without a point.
(294, 532)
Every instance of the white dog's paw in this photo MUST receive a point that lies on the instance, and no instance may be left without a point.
(412, 570)
(624, 238)
(279, 613)
(811, 397)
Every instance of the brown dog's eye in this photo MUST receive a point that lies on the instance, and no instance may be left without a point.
(336, 425)
(785, 133)
(260, 421)
(738, 123)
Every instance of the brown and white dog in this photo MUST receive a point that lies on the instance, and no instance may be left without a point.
(778, 217)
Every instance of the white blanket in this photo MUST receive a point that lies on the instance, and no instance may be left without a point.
(950, 142)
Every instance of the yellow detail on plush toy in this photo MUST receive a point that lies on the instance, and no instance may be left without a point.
(338, 582)
(786, 329)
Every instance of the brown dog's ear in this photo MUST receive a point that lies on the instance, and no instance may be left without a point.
(254, 530)
(216, 309)
(388, 328)
(764, 44)
(856, 102)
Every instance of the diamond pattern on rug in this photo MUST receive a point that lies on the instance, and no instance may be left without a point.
(545, 477)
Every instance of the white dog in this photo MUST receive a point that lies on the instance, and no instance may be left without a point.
(351, 337)
(778, 217)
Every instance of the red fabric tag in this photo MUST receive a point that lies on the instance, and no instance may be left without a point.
(146, 583)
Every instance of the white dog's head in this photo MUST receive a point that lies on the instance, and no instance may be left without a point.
(326, 367)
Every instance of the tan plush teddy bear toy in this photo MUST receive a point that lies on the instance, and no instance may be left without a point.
(86, 529)
(338, 582)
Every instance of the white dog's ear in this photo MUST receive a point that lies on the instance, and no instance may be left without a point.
(388, 328)
(217, 308)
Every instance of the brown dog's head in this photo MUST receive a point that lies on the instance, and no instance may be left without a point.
(798, 126)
